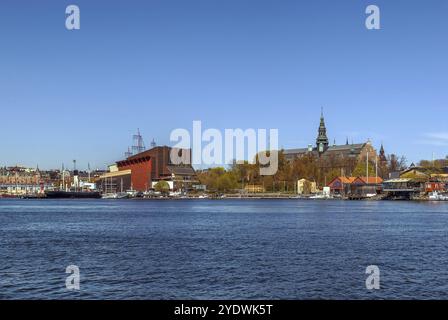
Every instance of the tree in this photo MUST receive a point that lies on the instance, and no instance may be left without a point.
(435, 164)
(162, 187)
(396, 163)
(361, 169)
(219, 180)
(226, 183)
(331, 174)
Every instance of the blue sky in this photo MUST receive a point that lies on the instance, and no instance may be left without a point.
(159, 65)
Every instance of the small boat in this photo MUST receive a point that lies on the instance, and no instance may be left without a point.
(321, 196)
(33, 196)
(435, 196)
(119, 195)
(109, 196)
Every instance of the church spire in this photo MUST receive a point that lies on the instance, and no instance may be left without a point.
(322, 139)
(382, 155)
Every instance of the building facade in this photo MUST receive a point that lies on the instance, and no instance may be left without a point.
(341, 157)
(24, 181)
(142, 171)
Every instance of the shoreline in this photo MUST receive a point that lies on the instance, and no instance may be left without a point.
(281, 197)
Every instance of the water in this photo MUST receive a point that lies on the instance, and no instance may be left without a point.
(229, 249)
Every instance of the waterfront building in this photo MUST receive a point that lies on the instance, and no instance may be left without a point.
(359, 186)
(432, 186)
(362, 187)
(254, 188)
(415, 173)
(115, 181)
(305, 187)
(19, 181)
(402, 188)
(337, 157)
(417, 180)
(368, 180)
(142, 171)
(341, 185)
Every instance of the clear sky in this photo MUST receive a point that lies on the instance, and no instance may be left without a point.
(159, 65)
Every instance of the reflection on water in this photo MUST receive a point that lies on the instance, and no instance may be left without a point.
(229, 249)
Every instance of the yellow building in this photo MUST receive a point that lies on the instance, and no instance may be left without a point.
(305, 186)
(254, 188)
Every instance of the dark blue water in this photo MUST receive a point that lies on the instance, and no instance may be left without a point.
(229, 249)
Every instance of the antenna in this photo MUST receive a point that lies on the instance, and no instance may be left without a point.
(128, 153)
(139, 145)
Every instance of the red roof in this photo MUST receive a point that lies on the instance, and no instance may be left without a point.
(345, 180)
(350, 180)
(371, 180)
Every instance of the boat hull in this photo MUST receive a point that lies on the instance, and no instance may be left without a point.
(72, 195)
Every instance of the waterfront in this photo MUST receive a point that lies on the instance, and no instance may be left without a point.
(229, 249)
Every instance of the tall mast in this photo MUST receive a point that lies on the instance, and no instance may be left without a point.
(376, 170)
(367, 167)
(75, 177)
(63, 177)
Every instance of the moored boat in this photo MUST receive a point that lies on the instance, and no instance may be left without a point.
(119, 195)
(435, 196)
(72, 194)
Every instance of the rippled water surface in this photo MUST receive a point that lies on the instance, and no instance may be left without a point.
(229, 249)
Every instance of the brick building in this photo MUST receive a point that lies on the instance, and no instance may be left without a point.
(142, 171)
(341, 157)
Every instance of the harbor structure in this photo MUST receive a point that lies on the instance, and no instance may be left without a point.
(341, 185)
(417, 182)
(358, 187)
(365, 187)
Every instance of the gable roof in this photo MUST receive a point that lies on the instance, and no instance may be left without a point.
(181, 170)
(350, 180)
(345, 180)
(370, 180)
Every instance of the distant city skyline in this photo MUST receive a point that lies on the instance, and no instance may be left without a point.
(159, 65)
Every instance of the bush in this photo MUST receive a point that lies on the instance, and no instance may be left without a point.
(162, 186)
